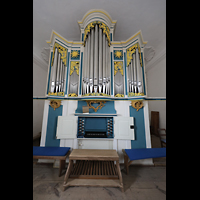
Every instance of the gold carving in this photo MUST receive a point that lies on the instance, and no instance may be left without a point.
(74, 66)
(119, 95)
(130, 52)
(60, 93)
(72, 95)
(137, 104)
(131, 94)
(74, 53)
(55, 103)
(101, 104)
(96, 94)
(118, 66)
(62, 50)
(101, 25)
(118, 54)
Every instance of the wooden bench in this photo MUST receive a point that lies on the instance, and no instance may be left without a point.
(93, 167)
(137, 154)
(55, 153)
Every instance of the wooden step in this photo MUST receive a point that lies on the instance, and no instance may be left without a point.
(94, 169)
(93, 182)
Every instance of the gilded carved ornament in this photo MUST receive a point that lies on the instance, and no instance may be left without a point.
(137, 104)
(101, 25)
(56, 93)
(62, 50)
(131, 50)
(72, 95)
(119, 95)
(55, 103)
(131, 94)
(118, 66)
(96, 94)
(101, 104)
(74, 66)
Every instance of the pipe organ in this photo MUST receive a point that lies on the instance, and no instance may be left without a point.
(105, 75)
(97, 65)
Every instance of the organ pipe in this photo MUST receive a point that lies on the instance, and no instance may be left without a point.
(53, 73)
(96, 67)
(100, 60)
(139, 83)
(58, 73)
(91, 60)
(96, 72)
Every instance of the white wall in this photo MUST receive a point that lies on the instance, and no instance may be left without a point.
(156, 85)
(39, 89)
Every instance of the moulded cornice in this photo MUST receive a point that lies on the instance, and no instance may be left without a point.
(40, 62)
(152, 63)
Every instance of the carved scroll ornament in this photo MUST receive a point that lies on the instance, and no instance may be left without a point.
(101, 104)
(55, 104)
(137, 104)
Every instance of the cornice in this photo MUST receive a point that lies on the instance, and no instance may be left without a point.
(40, 62)
(152, 63)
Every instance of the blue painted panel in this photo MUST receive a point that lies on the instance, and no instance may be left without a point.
(116, 58)
(82, 37)
(51, 140)
(139, 128)
(75, 58)
(95, 123)
(108, 108)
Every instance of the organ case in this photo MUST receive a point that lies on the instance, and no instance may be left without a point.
(97, 65)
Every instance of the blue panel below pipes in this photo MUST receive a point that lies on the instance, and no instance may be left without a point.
(51, 140)
(108, 108)
(139, 128)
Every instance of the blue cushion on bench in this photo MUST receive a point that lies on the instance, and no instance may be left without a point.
(50, 151)
(163, 140)
(137, 154)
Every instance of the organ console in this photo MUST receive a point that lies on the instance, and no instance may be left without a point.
(97, 65)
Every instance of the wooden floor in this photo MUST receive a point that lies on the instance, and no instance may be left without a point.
(94, 169)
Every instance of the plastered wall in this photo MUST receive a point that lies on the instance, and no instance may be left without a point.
(156, 85)
(39, 87)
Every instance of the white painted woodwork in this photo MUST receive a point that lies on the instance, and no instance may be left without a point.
(95, 143)
(122, 128)
(66, 127)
